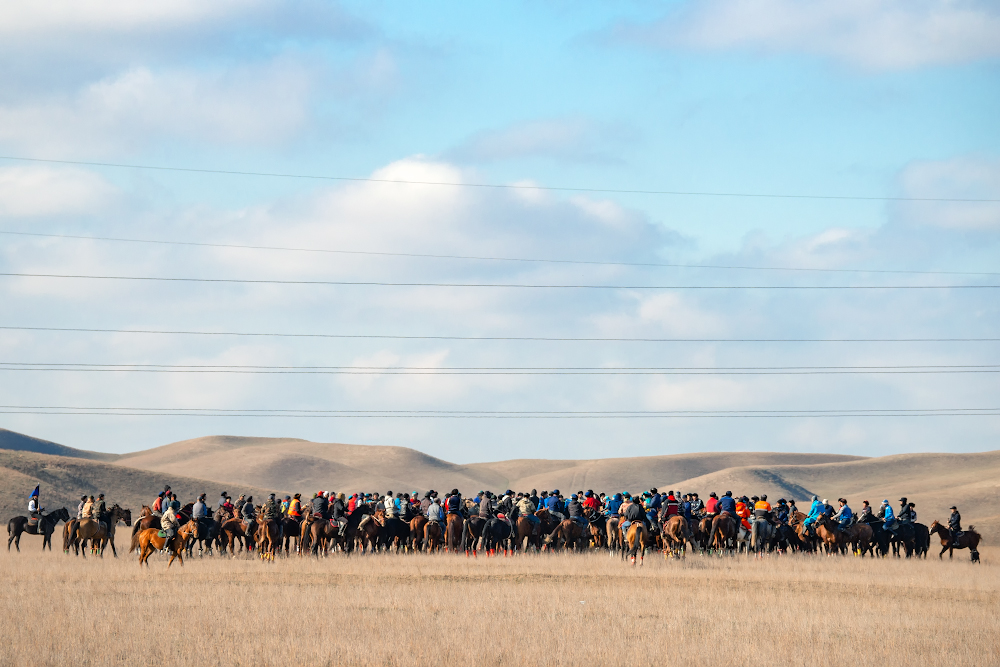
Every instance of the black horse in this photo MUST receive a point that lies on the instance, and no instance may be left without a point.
(497, 534)
(921, 540)
(472, 531)
(46, 526)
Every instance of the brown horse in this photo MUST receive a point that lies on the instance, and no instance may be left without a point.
(637, 540)
(417, 524)
(723, 530)
(150, 541)
(614, 534)
(860, 536)
(433, 536)
(566, 534)
(676, 533)
(268, 536)
(834, 540)
(969, 539)
(453, 533)
(106, 532)
(524, 534)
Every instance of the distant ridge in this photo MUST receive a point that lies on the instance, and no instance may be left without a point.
(25, 443)
(288, 465)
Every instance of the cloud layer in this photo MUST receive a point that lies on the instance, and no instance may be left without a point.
(871, 34)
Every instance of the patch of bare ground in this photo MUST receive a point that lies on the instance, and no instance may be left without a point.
(544, 609)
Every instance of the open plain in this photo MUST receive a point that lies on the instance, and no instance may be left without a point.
(547, 609)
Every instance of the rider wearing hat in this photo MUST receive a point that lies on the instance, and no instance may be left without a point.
(955, 524)
(905, 513)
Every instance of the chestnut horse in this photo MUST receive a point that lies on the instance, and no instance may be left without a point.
(150, 541)
(432, 536)
(969, 539)
(566, 533)
(637, 540)
(454, 531)
(417, 524)
(676, 533)
(268, 536)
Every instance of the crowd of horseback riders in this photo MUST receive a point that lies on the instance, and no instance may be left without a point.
(510, 521)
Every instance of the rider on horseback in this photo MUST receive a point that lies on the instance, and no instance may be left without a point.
(575, 512)
(169, 524)
(246, 511)
(955, 524)
(866, 514)
(270, 511)
(905, 512)
(844, 515)
(199, 510)
(815, 511)
(527, 510)
(885, 513)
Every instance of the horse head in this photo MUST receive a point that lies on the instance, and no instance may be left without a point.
(126, 515)
(61, 514)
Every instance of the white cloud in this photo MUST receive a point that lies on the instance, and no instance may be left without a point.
(34, 191)
(569, 139)
(957, 178)
(872, 34)
(246, 105)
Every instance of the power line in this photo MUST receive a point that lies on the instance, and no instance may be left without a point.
(168, 332)
(498, 259)
(482, 371)
(366, 283)
(485, 414)
(496, 186)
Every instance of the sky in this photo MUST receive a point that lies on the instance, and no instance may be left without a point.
(728, 144)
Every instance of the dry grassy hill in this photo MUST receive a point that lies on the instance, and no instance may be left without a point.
(64, 479)
(285, 465)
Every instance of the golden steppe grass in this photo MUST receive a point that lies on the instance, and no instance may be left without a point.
(544, 609)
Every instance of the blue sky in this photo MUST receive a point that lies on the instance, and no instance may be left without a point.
(856, 98)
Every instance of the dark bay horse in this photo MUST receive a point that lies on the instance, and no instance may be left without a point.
(969, 539)
(46, 526)
(497, 534)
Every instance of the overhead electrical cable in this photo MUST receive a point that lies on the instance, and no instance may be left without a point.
(479, 371)
(369, 283)
(487, 414)
(498, 259)
(496, 186)
(264, 334)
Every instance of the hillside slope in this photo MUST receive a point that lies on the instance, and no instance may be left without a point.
(26, 443)
(64, 479)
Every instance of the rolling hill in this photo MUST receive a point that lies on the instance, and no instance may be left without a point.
(286, 465)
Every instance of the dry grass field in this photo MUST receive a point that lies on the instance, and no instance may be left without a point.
(530, 610)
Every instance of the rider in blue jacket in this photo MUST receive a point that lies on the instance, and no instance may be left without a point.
(815, 511)
(614, 504)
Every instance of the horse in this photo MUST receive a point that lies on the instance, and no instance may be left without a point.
(150, 541)
(268, 536)
(637, 540)
(761, 534)
(860, 536)
(921, 540)
(354, 533)
(320, 532)
(417, 524)
(45, 527)
(614, 534)
(566, 533)
(290, 531)
(703, 532)
(968, 539)
(455, 533)
(676, 533)
(497, 533)
(472, 533)
(834, 540)
(724, 527)
(598, 528)
(105, 532)
(433, 536)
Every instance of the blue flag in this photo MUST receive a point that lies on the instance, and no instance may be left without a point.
(34, 494)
